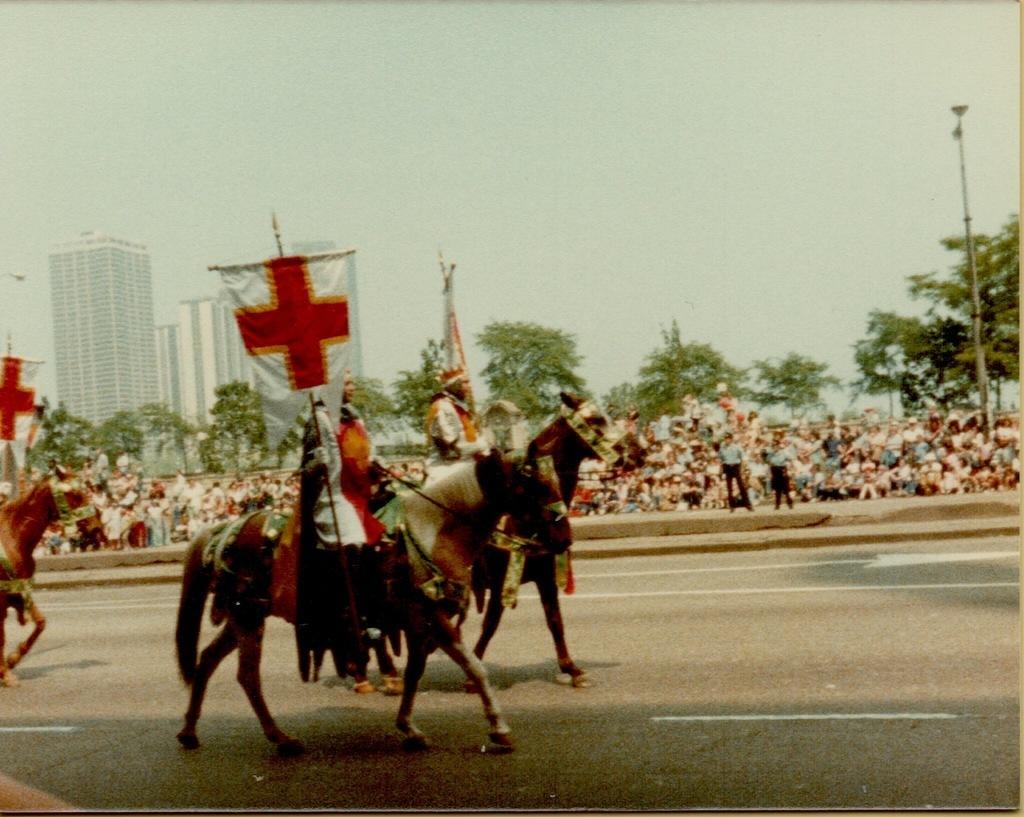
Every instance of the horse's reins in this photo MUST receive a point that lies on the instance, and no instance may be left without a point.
(505, 540)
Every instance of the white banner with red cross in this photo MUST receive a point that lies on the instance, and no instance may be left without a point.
(17, 405)
(293, 316)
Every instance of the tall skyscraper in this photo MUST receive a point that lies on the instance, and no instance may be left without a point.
(168, 367)
(355, 335)
(102, 306)
(210, 353)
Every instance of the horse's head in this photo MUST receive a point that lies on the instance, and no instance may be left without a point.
(71, 505)
(616, 447)
(537, 504)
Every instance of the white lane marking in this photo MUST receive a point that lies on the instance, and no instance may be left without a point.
(881, 560)
(824, 716)
(770, 590)
(101, 607)
(684, 570)
(906, 559)
(62, 729)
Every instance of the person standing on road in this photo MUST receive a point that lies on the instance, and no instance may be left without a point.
(731, 455)
(779, 459)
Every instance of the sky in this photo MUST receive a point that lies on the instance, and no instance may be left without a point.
(763, 173)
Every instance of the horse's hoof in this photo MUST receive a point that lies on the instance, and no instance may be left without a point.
(364, 688)
(14, 659)
(415, 743)
(290, 747)
(188, 740)
(580, 681)
(392, 685)
(501, 742)
(9, 680)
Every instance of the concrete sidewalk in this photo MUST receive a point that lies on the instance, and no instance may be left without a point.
(644, 534)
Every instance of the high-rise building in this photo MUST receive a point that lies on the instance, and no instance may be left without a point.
(168, 367)
(102, 306)
(210, 353)
(355, 335)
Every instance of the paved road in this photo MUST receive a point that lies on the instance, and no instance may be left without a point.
(874, 676)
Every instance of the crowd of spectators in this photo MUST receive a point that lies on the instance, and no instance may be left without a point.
(870, 458)
(137, 512)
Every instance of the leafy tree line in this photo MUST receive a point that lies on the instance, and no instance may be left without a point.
(915, 360)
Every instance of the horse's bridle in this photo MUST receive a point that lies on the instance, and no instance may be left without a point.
(604, 444)
(69, 517)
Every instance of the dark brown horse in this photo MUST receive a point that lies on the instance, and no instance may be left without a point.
(439, 531)
(23, 521)
(582, 431)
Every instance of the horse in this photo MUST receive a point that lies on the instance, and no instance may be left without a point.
(581, 431)
(23, 521)
(438, 531)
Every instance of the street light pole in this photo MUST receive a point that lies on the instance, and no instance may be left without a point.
(981, 371)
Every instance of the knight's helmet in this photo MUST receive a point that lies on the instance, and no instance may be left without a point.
(504, 426)
(451, 379)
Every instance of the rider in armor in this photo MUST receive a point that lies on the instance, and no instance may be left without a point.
(335, 525)
(451, 425)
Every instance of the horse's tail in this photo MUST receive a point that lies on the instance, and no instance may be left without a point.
(195, 586)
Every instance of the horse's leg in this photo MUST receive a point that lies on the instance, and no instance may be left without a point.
(250, 651)
(548, 590)
(7, 678)
(414, 665)
(39, 622)
(217, 650)
(449, 641)
(492, 618)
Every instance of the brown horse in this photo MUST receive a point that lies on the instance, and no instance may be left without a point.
(439, 532)
(581, 431)
(23, 521)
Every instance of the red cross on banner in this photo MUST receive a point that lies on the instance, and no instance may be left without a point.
(293, 318)
(15, 399)
(295, 323)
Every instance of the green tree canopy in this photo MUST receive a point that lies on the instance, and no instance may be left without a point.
(931, 358)
(997, 261)
(374, 405)
(795, 382)
(619, 398)
(63, 437)
(676, 369)
(121, 433)
(529, 365)
(237, 438)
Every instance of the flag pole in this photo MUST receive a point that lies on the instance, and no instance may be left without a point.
(357, 633)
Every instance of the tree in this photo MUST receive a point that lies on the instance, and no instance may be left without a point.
(795, 382)
(414, 388)
(997, 261)
(121, 433)
(375, 405)
(529, 365)
(677, 369)
(164, 428)
(237, 438)
(932, 359)
(881, 357)
(62, 437)
(620, 398)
